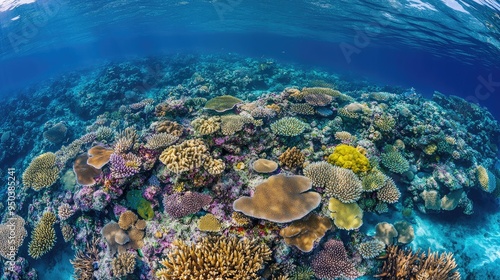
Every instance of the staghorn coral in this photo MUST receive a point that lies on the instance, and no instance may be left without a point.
(126, 140)
(371, 249)
(206, 126)
(222, 103)
(83, 263)
(178, 205)
(394, 161)
(65, 211)
(288, 126)
(42, 172)
(303, 233)
(127, 219)
(280, 199)
(85, 173)
(320, 173)
(67, 232)
(332, 262)
(43, 236)
(12, 234)
(161, 141)
(405, 264)
(209, 223)
(346, 216)
(389, 193)
(292, 158)
(302, 109)
(264, 166)
(349, 157)
(123, 264)
(98, 156)
(214, 258)
(344, 185)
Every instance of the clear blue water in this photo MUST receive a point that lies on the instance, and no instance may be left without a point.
(56, 54)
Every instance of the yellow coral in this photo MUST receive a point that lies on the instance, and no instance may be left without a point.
(209, 223)
(214, 258)
(487, 180)
(430, 149)
(345, 215)
(206, 126)
(42, 172)
(43, 237)
(349, 157)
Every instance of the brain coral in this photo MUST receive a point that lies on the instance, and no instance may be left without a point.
(43, 236)
(220, 257)
(346, 216)
(42, 172)
(349, 157)
(288, 126)
(344, 185)
(280, 199)
(12, 234)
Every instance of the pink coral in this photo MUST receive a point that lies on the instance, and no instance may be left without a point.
(179, 205)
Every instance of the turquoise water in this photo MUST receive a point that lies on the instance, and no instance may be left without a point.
(284, 139)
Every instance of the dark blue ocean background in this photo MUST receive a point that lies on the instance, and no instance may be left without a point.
(448, 46)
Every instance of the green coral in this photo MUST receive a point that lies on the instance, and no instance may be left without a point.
(42, 172)
(385, 122)
(349, 157)
(222, 103)
(373, 181)
(43, 237)
(145, 210)
(394, 160)
(288, 126)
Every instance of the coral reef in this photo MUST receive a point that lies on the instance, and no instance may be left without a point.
(43, 237)
(332, 262)
(42, 172)
(303, 233)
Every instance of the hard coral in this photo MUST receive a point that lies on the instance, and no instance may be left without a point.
(179, 205)
(264, 166)
(209, 223)
(344, 185)
(127, 219)
(332, 262)
(85, 174)
(371, 249)
(206, 126)
(349, 157)
(161, 140)
(346, 216)
(222, 103)
(83, 263)
(288, 126)
(303, 233)
(214, 258)
(98, 156)
(123, 264)
(405, 264)
(12, 234)
(292, 158)
(389, 193)
(186, 156)
(42, 172)
(280, 199)
(43, 236)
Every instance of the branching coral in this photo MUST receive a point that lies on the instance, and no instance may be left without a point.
(371, 249)
(280, 199)
(394, 160)
(169, 127)
(389, 193)
(161, 140)
(288, 126)
(123, 264)
(179, 205)
(42, 172)
(43, 236)
(83, 263)
(209, 223)
(487, 180)
(320, 173)
(214, 258)
(405, 264)
(332, 262)
(292, 158)
(302, 109)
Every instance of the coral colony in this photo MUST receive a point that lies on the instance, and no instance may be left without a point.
(240, 169)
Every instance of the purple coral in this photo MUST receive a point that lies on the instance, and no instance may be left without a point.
(332, 262)
(179, 205)
(124, 166)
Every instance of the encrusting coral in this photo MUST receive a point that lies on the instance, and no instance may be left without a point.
(43, 237)
(42, 172)
(214, 258)
(346, 216)
(280, 199)
(303, 233)
(209, 223)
